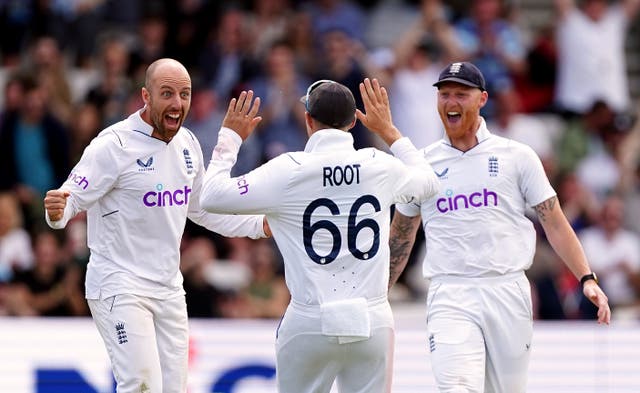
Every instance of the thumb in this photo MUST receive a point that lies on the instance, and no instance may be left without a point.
(66, 193)
(361, 116)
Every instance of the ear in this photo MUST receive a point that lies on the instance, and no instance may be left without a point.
(146, 96)
(308, 120)
(484, 98)
(353, 123)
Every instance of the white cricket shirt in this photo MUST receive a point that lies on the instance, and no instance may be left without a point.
(138, 192)
(328, 208)
(476, 224)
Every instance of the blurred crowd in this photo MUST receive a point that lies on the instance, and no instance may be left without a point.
(69, 68)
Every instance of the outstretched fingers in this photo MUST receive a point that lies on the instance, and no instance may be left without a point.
(242, 114)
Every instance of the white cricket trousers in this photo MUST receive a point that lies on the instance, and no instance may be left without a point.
(479, 332)
(309, 362)
(147, 341)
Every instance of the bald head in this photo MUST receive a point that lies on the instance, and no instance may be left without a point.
(167, 97)
(163, 67)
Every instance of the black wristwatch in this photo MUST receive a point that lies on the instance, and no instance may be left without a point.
(587, 277)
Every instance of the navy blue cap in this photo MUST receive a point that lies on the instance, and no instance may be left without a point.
(464, 73)
(331, 103)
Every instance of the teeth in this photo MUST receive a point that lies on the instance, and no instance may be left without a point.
(174, 116)
(453, 113)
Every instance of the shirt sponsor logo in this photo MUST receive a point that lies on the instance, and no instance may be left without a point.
(145, 165)
(243, 186)
(473, 200)
(163, 198)
(79, 180)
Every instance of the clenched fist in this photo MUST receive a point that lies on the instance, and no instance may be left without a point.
(55, 202)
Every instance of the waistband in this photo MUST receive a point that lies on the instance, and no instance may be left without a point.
(478, 280)
(313, 310)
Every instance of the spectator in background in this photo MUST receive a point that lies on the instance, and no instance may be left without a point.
(206, 115)
(344, 15)
(34, 150)
(267, 23)
(614, 253)
(582, 134)
(600, 170)
(495, 45)
(509, 122)
(150, 44)
(266, 295)
(591, 39)
(579, 204)
(13, 94)
(280, 88)
(535, 88)
(344, 59)
(48, 289)
(629, 159)
(85, 127)
(188, 23)
(15, 244)
(420, 54)
(226, 59)
(112, 89)
(47, 63)
(301, 37)
(80, 22)
(197, 261)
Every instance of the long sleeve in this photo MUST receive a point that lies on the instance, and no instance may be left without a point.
(224, 224)
(91, 178)
(406, 152)
(255, 192)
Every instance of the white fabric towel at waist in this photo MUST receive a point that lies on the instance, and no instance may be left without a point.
(346, 319)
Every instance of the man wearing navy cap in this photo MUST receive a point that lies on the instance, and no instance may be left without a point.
(328, 208)
(479, 244)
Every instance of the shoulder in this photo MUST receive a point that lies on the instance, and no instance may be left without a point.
(188, 134)
(116, 137)
(433, 150)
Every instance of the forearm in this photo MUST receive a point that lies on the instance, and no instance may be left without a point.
(562, 237)
(401, 240)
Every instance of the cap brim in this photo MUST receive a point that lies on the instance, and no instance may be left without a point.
(457, 80)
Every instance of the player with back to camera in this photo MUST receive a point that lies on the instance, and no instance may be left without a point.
(329, 209)
(479, 243)
(139, 181)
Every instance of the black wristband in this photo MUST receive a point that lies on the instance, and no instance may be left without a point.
(587, 277)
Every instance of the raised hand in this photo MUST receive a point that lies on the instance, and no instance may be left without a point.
(377, 115)
(242, 113)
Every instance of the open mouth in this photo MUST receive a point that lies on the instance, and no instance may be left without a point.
(172, 119)
(454, 117)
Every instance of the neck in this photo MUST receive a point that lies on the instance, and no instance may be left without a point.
(468, 140)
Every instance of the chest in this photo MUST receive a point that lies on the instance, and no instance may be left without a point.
(160, 176)
(474, 182)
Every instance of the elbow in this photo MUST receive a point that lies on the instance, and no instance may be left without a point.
(207, 202)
